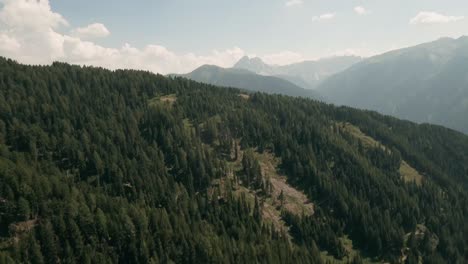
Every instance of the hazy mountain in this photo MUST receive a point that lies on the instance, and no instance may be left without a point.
(424, 83)
(254, 65)
(307, 74)
(244, 79)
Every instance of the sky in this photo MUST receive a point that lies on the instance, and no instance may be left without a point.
(177, 36)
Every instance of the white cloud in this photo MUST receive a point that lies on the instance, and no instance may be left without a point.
(290, 3)
(323, 17)
(359, 52)
(426, 17)
(29, 15)
(8, 44)
(283, 58)
(96, 30)
(361, 10)
(364, 50)
(29, 33)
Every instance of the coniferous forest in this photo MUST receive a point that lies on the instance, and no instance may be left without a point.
(100, 166)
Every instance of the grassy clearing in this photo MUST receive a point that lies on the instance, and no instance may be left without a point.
(367, 141)
(170, 99)
(163, 100)
(408, 173)
(244, 96)
(20, 230)
(295, 201)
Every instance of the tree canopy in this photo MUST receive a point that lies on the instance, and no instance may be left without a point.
(101, 166)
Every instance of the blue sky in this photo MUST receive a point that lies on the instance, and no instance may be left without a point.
(179, 35)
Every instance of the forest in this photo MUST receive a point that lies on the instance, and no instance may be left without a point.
(124, 166)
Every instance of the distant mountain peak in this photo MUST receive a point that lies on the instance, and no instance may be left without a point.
(248, 80)
(250, 60)
(254, 64)
(306, 74)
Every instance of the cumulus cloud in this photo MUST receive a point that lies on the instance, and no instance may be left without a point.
(21, 15)
(426, 17)
(290, 3)
(96, 30)
(358, 52)
(283, 58)
(8, 44)
(361, 10)
(30, 33)
(326, 16)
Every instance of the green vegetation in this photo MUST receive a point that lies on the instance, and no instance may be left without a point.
(408, 173)
(131, 167)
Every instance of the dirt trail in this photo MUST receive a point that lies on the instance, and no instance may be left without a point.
(294, 201)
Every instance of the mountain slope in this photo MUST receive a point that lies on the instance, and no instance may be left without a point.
(131, 167)
(307, 74)
(247, 80)
(425, 83)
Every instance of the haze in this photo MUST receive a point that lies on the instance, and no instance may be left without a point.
(179, 36)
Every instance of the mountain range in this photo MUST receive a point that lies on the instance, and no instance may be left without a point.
(427, 83)
(306, 74)
(247, 80)
(424, 83)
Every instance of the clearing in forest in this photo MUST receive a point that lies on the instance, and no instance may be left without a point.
(272, 203)
(169, 99)
(408, 173)
(294, 201)
(19, 231)
(244, 96)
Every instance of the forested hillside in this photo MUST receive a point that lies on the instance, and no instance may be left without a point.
(130, 167)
